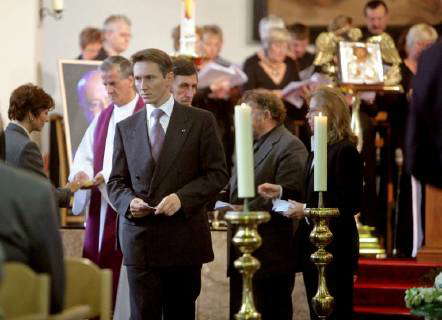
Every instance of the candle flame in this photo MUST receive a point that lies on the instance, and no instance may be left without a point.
(188, 6)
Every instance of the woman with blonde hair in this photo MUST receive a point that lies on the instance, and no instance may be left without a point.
(344, 191)
(271, 68)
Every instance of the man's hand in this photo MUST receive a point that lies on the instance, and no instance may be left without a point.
(269, 190)
(296, 210)
(82, 180)
(169, 205)
(81, 176)
(73, 186)
(139, 208)
(99, 179)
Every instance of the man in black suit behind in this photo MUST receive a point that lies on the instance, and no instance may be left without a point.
(167, 156)
(423, 136)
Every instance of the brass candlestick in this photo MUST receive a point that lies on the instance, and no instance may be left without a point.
(321, 236)
(247, 240)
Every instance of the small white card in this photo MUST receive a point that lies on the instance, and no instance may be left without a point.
(281, 205)
(222, 204)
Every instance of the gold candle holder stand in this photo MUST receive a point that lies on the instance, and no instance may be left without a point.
(321, 236)
(247, 240)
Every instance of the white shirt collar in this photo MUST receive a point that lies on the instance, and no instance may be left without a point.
(21, 126)
(130, 105)
(167, 107)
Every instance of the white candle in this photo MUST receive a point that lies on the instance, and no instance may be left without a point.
(187, 28)
(57, 5)
(244, 151)
(320, 153)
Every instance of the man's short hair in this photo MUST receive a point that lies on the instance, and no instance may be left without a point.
(90, 35)
(373, 4)
(213, 29)
(114, 18)
(157, 56)
(183, 66)
(266, 100)
(124, 66)
(299, 31)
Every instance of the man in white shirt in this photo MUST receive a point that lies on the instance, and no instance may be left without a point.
(93, 163)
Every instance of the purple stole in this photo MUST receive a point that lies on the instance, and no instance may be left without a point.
(109, 256)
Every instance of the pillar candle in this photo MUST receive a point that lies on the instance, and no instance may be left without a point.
(244, 151)
(320, 153)
(187, 28)
(57, 5)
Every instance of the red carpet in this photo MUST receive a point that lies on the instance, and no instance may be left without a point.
(381, 285)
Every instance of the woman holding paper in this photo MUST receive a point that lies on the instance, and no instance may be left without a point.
(337, 172)
(272, 69)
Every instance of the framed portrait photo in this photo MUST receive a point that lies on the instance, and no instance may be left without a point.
(83, 96)
(360, 63)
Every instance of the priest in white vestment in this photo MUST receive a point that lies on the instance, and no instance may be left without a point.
(92, 166)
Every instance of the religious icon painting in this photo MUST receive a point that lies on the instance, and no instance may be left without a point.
(83, 97)
(360, 63)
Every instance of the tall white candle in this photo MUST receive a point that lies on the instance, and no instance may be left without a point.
(320, 153)
(57, 5)
(244, 151)
(187, 28)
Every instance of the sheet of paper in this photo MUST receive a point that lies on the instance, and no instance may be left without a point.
(222, 204)
(281, 205)
(213, 72)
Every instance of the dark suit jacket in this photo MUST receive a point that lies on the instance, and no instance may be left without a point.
(424, 132)
(29, 228)
(280, 159)
(344, 191)
(191, 164)
(23, 153)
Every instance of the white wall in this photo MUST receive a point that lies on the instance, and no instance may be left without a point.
(152, 22)
(20, 53)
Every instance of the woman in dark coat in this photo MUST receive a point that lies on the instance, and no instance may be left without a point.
(29, 106)
(271, 68)
(344, 191)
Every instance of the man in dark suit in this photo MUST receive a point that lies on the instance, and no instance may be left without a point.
(168, 163)
(279, 157)
(423, 137)
(29, 229)
(2, 141)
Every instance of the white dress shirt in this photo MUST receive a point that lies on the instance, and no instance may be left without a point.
(167, 107)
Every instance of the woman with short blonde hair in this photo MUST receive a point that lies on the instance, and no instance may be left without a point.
(271, 68)
(421, 35)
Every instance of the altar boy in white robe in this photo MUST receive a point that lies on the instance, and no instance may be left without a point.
(92, 166)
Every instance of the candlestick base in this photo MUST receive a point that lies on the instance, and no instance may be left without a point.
(321, 236)
(247, 240)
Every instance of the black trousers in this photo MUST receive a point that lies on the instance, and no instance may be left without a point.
(272, 295)
(167, 293)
